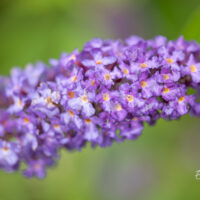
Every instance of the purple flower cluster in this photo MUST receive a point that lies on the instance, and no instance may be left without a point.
(102, 94)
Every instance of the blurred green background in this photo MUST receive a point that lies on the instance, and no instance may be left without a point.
(161, 164)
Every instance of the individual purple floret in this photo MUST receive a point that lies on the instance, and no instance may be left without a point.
(102, 94)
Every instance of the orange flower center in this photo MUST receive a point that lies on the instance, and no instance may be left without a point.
(143, 65)
(166, 90)
(181, 99)
(118, 107)
(106, 97)
(88, 121)
(165, 77)
(71, 94)
(73, 57)
(26, 120)
(125, 71)
(85, 99)
(193, 68)
(107, 77)
(143, 84)
(169, 60)
(93, 82)
(129, 98)
(49, 100)
(5, 148)
(71, 113)
(74, 79)
(20, 103)
(98, 62)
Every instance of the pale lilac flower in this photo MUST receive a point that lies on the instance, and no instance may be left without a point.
(192, 69)
(17, 106)
(8, 155)
(82, 102)
(99, 61)
(91, 131)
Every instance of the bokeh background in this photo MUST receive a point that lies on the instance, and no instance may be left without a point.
(162, 163)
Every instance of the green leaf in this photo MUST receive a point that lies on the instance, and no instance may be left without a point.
(191, 30)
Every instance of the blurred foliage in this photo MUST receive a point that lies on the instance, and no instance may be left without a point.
(161, 164)
(192, 28)
(171, 15)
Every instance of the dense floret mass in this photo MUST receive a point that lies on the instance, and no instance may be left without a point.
(104, 93)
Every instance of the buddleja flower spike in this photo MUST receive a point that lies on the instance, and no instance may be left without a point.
(104, 93)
